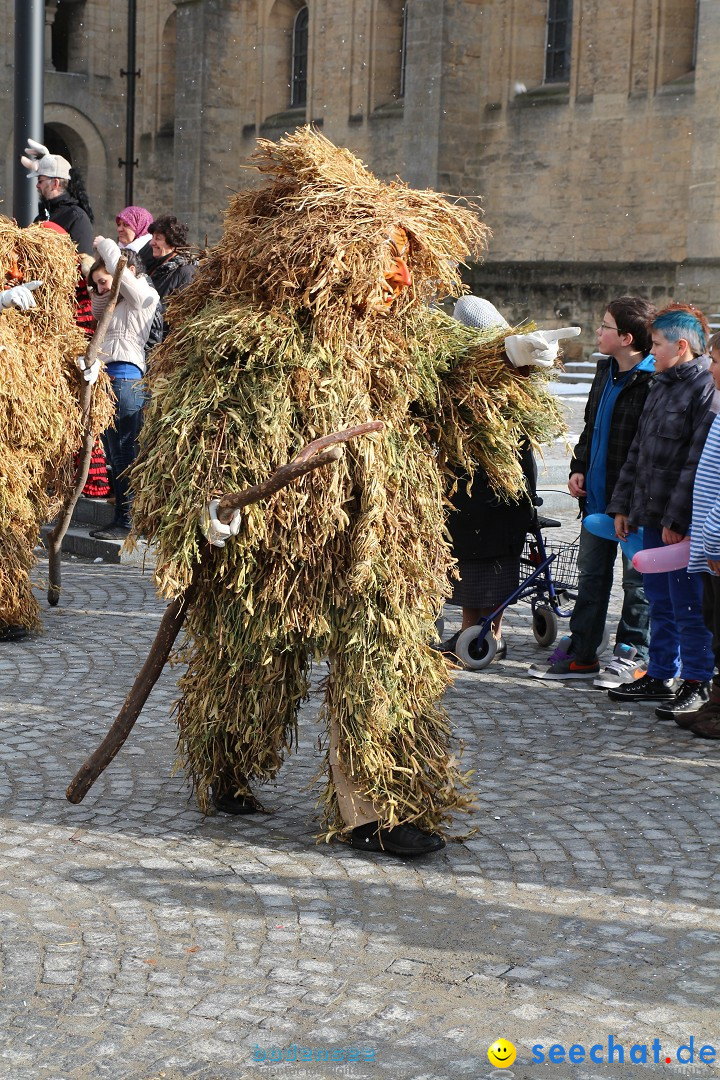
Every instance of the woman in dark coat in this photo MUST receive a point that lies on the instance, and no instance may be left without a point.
(169, 269)
(488, 535)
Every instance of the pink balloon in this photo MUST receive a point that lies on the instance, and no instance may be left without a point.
(662, 559)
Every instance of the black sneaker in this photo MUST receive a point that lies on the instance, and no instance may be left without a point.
(645, 689)
(687, 701)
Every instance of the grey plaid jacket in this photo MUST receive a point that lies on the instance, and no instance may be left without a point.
(655, 485)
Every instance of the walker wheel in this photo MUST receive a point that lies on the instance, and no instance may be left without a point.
(545, 625)
(475, 652)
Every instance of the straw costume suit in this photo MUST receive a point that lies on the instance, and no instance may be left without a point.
(298, 324)
(40, 412)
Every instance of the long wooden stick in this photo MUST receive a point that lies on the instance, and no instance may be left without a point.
(300, 464)
(56, 537)
(307, 460)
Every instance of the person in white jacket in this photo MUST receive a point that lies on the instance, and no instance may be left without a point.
(123, 353)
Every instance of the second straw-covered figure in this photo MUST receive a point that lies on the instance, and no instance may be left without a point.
(41, 418)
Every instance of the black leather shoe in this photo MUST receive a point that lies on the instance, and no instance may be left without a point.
(111, 532)
(9, 632)
(645, 689)
(447, 648)
(402, 840)
(235, 804)
(688, 700)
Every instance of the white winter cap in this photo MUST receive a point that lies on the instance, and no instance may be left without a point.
(478, 312)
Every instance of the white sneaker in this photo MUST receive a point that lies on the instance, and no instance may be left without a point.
(623, 668)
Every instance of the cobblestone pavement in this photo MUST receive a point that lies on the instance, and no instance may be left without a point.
(140, 940)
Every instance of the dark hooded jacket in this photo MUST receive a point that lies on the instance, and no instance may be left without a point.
(171, 273)
(67, 212)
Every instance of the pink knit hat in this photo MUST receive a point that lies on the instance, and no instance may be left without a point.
(137, 217)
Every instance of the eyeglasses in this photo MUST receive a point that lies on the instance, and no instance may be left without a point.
(604, 326)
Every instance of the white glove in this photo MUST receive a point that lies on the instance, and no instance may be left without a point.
(539, 348)
(20, 296)
(35, 151)
(214, 531)
(90, 373)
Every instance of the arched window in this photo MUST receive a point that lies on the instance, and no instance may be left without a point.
(557, 48)
(56, 144)
(298, 79)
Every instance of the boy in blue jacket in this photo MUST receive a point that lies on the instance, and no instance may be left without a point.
(613, 409)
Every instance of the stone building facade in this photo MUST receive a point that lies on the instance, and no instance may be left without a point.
(586, 126)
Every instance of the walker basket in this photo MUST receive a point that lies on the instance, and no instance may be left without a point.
(563, 569)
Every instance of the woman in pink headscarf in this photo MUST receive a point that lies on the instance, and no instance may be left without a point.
(132, 231)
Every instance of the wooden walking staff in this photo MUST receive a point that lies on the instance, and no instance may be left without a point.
(312, 456)
(55, 538)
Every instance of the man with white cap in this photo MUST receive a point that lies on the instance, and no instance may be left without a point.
(63, 198)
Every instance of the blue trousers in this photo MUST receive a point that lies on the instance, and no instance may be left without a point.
(121, 442)
(680, 643)
(596, 564)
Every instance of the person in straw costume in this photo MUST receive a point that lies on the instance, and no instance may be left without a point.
(314, 314)
(41, 423)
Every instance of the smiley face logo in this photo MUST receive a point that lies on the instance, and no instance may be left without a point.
(501, 1054)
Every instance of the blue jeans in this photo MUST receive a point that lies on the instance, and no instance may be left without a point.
(680, 642)
(596, 563)
(121, 442)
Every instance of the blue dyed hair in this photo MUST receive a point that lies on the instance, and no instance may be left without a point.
(679, 321)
